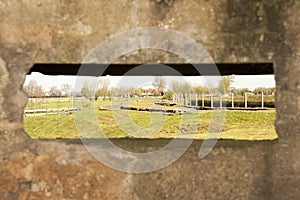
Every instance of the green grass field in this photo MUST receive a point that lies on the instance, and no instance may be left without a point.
(42, 103)
(238, 125)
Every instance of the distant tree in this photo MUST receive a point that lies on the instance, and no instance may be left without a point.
(130, 91)
(273, 90)
(33, 89)
(168, 95)
(181, 87)
(30, 88)
(40, 91)
(102, 89)
(94, 90)
(117, 91)
(76, 93)
(224, 84)
(138, 91)
(122, 90)
(159, 84)
(259, 90)
(200, 89)
(66, 89)
(267, 91)
(88, 89)
(54, 91)
(240, 92)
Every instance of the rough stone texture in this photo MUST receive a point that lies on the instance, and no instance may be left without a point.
(231, 31)
(218, 176)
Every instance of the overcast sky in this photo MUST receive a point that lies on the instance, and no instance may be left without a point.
(241, 81)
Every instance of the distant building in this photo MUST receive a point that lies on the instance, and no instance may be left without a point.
(147, 92)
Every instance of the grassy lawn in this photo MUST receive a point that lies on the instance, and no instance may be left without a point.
(239, 125)
(42, 103)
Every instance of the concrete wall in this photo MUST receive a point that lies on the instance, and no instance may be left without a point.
(231, 31)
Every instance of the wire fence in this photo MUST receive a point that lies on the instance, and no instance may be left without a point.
(48, 106)
(225, 101)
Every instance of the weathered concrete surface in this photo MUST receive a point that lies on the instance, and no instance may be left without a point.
(231, 31)
(42, 171)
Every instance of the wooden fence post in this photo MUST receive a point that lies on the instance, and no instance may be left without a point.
(221, 103)
(262, 99)
(246, 99)
(232, 100)
(203, 100)
(211, 101)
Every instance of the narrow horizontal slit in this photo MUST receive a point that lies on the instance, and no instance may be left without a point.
(149, 69)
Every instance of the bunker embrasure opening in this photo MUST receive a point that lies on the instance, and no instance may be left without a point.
(157, 105)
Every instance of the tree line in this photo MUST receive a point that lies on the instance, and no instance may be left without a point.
(34, 89)
(101, 88)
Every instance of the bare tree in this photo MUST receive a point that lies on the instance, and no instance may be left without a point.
(54, 92)
(66, 89)
(225, 83)
(159, 84)
(29, 89)
(39, 91)
(93, 90)
(33, 89)
(102, 89)
(123, 91)
(181, 87)
(200, 89)
(88, 89)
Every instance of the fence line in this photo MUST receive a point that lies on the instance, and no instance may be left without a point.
(192, 99)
